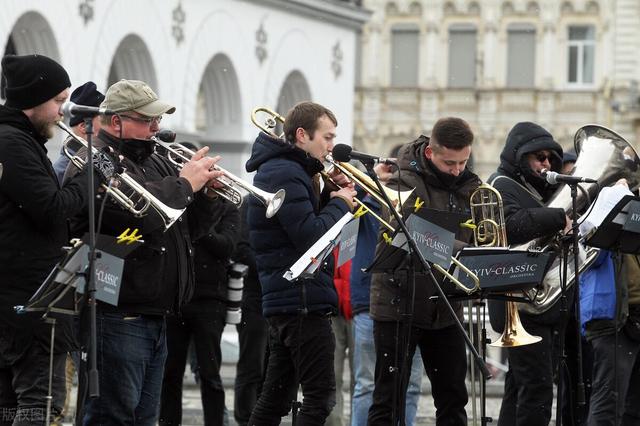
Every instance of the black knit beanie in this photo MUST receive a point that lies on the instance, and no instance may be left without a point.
(87, 94)
(32, 80)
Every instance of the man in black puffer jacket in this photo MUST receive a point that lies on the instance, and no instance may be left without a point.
(33, 230)
(301, 341)
(528, 393)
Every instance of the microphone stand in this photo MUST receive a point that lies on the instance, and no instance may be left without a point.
(580, 393)
(427, 268)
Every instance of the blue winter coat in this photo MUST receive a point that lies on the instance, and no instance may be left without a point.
(598, 291)
(279, 242)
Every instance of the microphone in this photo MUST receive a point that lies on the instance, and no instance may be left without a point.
(343, 153)
(70, 109)
(166, 135)
(555, 178)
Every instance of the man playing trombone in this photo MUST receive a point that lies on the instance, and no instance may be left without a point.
(301, 341)
(158, 276)
(437, 168)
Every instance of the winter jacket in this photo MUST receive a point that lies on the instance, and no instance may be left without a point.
(523, 196)
(391, 291)
(251, 292)
(360, 281)
(33, 230)
(212, 254)
(304, 217)
(158, 276)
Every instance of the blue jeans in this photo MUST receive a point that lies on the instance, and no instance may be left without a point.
(131, 355)
(364, 361)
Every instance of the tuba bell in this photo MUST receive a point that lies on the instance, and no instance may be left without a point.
(605, 156)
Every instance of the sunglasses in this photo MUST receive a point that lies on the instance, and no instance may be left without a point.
(542, 157)
(147, 120)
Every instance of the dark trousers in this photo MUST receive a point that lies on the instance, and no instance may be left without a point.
(24, 385)
(253, 334)
(300, 351)
(445, 362)
(528, 385)
(616, 373)
(204, 321)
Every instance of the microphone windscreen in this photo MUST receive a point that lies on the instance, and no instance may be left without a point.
(166, 135)
(342, 153)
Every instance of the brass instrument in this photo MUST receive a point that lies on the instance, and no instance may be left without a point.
(488, 216)
(139, 201)
(369, 186)
(178, 154)
(605, 156)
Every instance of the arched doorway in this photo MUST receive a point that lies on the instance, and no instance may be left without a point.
(132, 61)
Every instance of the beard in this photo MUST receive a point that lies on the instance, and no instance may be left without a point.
(45, 128)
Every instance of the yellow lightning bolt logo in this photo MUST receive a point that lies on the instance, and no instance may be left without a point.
(418, 204)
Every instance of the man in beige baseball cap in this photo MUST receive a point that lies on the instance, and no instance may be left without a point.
(135, 95)
(157, 278)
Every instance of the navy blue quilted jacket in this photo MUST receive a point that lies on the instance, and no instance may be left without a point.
(304, 218)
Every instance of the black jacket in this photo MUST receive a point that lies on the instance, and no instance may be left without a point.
(252, 292)
(523, 197)
(278, 242)
(33, 227)
(158, 276)
(213, 252)
(389, 292)
(523, 194)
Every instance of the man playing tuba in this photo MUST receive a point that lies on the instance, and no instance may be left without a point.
(529, 148)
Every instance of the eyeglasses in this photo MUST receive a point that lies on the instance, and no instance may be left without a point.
(541, 157)
(148, 120)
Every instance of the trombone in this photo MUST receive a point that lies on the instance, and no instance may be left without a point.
(360, 178)
(488, 215)
(178, 154)
(138, 207)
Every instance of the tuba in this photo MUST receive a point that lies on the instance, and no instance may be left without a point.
(488, 216)
(605, 156)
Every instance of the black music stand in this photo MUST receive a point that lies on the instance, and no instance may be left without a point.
(495, 283)
(618, 231)
(56, 295)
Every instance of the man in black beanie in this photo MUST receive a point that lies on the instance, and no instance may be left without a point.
(87, 94)
(529, 148)
(33, 214)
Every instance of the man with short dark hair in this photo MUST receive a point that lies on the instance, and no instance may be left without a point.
(437, 168)
(33, 214)
(158, 276)
(301, 342)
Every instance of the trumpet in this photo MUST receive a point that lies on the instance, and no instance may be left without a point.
(143, 198)
(178, 154)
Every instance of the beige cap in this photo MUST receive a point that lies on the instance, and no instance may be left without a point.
(135, 95)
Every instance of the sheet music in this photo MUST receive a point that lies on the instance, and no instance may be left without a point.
(607, 199)
(312, 258)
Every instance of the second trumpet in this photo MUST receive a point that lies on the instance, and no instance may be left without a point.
(178, 154)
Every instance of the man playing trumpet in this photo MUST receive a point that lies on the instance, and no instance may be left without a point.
(158, 276)
(301, 340)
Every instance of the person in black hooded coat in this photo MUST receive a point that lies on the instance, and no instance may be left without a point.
(529, 148)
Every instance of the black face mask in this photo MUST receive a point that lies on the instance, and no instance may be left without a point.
(448, 180)
(137, 150)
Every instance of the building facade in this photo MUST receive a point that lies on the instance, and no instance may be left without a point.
(561, 64)
(215, 60)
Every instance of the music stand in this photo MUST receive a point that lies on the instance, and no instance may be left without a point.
(500, 270)
(618, 231)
